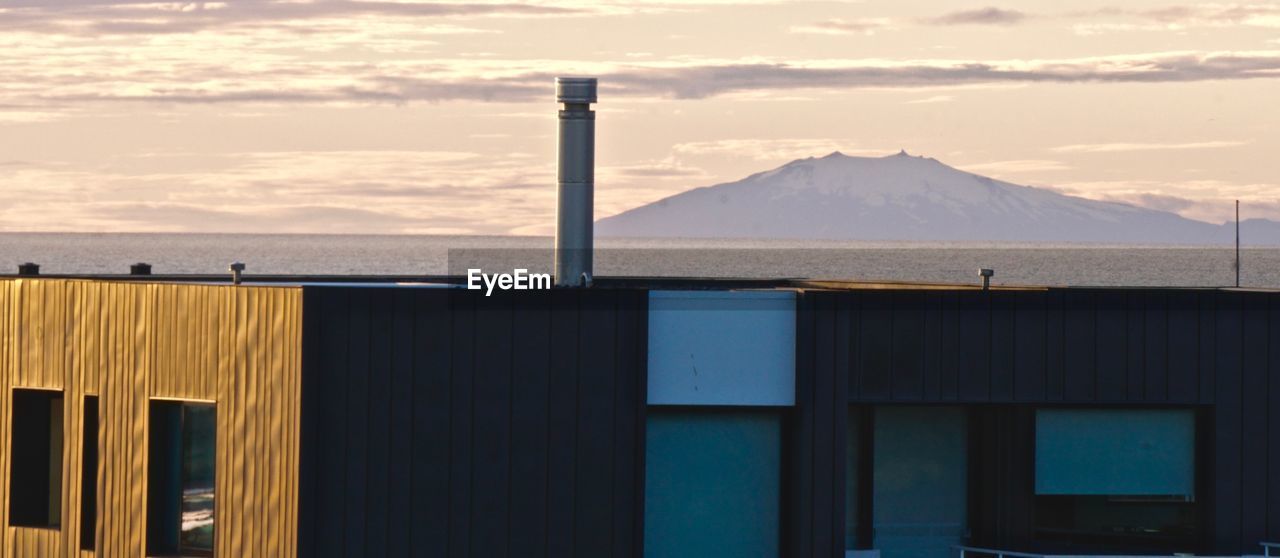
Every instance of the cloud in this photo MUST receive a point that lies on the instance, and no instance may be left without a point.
(698, 81)
(863, 26)
(1124, 147)
(1178, 18)
(1205, 200)
(666, 168)
(287, 191)
(931, 100)
(167, 74)
(981, 16)
(1155, 201)
(762, 149)
(286, 219)
(124, 17)
(1017, 166)
(378, 191)
(150, 17)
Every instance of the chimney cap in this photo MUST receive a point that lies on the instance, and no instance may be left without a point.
(575, 89)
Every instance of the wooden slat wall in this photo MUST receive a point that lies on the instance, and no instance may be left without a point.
(129, 342)
(1128, 347)
(439, 422)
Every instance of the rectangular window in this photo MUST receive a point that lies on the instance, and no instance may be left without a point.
(920, 481)
(180, 503)
(1105, 452)
(713, 483)
(1112, 480)
(89, 474)
(35, 473)
(906, 480)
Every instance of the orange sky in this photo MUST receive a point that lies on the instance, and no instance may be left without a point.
(438, 117)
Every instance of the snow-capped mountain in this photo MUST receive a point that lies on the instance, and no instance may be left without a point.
(904, 197)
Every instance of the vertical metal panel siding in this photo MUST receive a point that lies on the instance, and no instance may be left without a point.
(520, 414)
(815, 504)
(129, 342)
(1082, 346)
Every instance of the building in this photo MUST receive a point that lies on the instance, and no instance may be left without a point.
(645, 417)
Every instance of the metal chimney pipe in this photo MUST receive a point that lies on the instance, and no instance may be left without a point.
(576, 190)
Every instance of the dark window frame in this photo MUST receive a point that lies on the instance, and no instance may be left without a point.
(865, 412)
(31, 458)
(1198, 505)
(173, 457)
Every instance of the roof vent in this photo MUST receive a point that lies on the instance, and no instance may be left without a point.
(576, 189)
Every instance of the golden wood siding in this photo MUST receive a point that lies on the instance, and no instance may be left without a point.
(127, 343)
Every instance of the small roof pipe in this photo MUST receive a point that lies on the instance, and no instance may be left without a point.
(986, 277)
(576, 189)
(236, 270)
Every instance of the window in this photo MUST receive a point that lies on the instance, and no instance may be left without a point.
(180, 505)
(35, 474)
(713, 483)
(907, 480)
(89, 474)
(1114, 478)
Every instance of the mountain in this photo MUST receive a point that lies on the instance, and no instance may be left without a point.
(905, 197)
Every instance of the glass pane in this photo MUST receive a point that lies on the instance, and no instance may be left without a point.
(1105, 452)
(198, 452)
(713, 484)
(921, 481)
(164, 482)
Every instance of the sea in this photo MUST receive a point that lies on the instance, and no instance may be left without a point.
(928, 262)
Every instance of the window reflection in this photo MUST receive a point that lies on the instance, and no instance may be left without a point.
(198, 447)
(181, 511)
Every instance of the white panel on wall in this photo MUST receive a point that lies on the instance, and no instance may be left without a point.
(722, 348)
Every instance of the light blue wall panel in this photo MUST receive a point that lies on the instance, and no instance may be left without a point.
(722, 348)
(1115, 452)
(713, 484)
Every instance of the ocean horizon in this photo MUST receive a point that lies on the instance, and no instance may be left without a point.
(907, 261)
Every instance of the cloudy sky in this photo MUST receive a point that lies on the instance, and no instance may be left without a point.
(408, 116)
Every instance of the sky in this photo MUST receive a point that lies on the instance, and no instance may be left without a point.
(406, 116)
